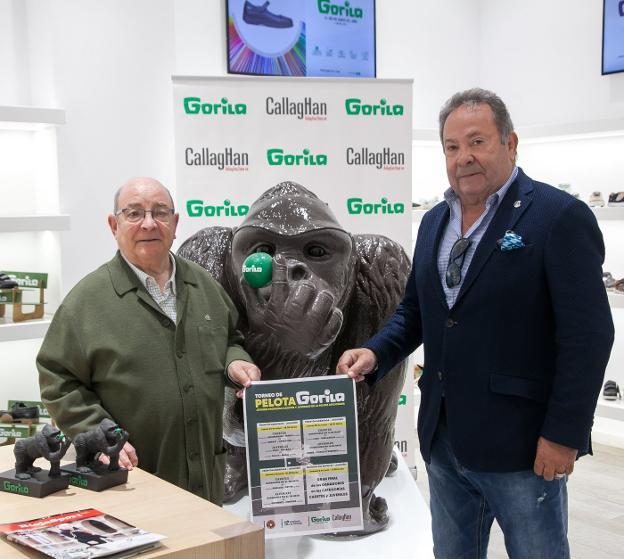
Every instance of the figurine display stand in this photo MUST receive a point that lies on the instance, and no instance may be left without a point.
(27, 479)
(98, 479)
(14, 296)
(39, 485)
(88, 472)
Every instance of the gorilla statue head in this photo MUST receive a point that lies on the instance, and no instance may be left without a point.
(314, 268)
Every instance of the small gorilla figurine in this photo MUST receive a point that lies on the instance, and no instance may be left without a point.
(107, 438)
(50, 444)
(330, 291)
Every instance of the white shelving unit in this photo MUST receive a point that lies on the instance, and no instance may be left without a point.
(29, 118)
(24, 223)
(616, 300)
(609, 213)
(30, 227)
(27, 330)
(611, 409)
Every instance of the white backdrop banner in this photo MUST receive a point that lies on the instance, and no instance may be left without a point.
(346, 140)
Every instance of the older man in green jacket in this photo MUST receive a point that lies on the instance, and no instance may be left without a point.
(148, 340)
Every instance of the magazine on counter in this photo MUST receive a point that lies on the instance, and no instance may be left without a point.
(81, 534)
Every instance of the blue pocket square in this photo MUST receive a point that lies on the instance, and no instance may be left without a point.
(511, 241)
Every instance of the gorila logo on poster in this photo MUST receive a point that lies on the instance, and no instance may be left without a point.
(301, 398)
(327, 7)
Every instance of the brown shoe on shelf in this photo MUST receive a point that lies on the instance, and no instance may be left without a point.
(619, 286)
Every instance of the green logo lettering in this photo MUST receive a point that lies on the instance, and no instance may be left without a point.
(194, 105)
(197, 208)
(277, 156)
(345, 10)
(354, 106)
(356, 206)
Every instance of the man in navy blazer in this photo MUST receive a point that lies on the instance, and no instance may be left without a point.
(506, 295)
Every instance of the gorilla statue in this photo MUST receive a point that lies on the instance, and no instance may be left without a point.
(107, 438)
(330, 291)
(50, 444)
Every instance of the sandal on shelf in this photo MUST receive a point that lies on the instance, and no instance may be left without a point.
(611, 390)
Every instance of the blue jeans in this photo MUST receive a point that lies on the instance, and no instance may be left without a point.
(532, 512)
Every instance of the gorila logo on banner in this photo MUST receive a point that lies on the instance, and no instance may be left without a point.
(307, 108)
(384, 159)
(356, 206)
(197, 208)
(355, 106)
(194, 106)
(276, 156)
(327, 7)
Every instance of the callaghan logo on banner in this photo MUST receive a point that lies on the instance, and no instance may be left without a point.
(304, 109)
(355, 107)
(197, 208)
(357, 206)
(195, 106)
(337, 9)
(384, 159)
(228, 159)
(277, 156)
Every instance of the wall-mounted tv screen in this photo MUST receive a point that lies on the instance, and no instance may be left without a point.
(613, 36)
(329, 38)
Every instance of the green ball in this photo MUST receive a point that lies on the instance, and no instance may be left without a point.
(258, 269)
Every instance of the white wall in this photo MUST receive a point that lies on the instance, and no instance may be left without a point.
(544, 59)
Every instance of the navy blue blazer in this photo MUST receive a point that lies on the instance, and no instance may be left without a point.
(523, 351)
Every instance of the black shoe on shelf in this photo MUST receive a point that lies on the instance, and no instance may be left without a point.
(260, 15)
(616, 199)
(19, 410)
(611, 390)
(6, 282)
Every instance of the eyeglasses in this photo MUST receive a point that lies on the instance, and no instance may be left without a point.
(134, 215)
(456, 261)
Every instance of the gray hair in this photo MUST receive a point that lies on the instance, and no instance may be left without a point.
(477, 96)
(118, 193)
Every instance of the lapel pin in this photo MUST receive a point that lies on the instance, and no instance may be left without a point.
(517, 204)
(207, 317)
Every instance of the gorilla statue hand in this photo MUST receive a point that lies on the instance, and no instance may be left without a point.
(301, 313)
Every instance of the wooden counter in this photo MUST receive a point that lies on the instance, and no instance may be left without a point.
(195, 528)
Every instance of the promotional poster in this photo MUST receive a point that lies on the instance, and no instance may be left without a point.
(302, 455)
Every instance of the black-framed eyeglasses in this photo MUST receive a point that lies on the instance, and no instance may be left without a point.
(134, 215)
(456, 261)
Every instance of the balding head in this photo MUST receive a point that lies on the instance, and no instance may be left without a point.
(139, 181)
(145, 241)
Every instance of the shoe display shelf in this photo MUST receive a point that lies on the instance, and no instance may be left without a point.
(31, 225)
(28, 330)
(612, 409)
(616, 300)
(24, 223)
(611, 213)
